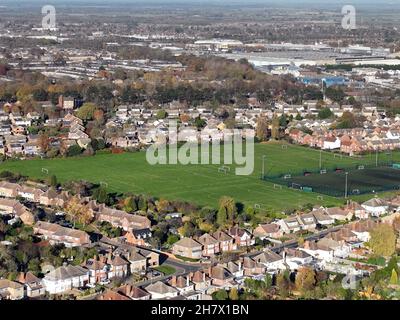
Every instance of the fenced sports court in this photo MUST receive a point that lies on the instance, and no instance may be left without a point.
(361, 179)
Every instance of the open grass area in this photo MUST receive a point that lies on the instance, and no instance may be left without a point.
(166, 270)
(201, 184)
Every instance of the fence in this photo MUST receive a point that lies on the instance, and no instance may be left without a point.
(332, 168)
(328, 184)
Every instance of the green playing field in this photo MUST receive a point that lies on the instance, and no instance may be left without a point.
(202, 184)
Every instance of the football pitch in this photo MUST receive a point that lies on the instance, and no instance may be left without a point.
(359, 181)
(201, 184)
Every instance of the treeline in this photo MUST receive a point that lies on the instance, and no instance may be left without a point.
(211, 80)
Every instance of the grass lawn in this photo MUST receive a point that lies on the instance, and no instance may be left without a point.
(187, 259)
(166, 270)
(201, 184)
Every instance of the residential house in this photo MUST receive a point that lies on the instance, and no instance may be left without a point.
(17, 210)
(322, 218)
(137, 261)
(122, 219)
(58, 234)
(290, 225)
(110, 295)
(138, 237)
(339, 214)
(295, 257)
(11, 290)
(189, 248)
(308, 221)
(183, 284)
(211, 246)
(221, 277)
(66, 103)
(252, 267)
(33, 115)
(236, 268)
(330, 143)
(7, 206)
(270, 230)
(160, 290)
(30, 194)
(118, 267)
(362, 229)
(153, 258)
(134, 293)
(326, 249)
(357, 210)
(98, 269)
(31, 149)
(15, 149)
(344, 234)
(242, 237)
(65, 278)
(270, 259)
(376, 207)
(226, 242)
(8, 189)
(202, 281)
(24, 214)
(32, 285)
(52, 198)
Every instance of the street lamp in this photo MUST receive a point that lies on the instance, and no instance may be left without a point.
(320, 158)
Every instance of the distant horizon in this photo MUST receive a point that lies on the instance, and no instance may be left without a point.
(219, 2)
(363, 5)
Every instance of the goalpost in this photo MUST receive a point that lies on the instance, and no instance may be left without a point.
(257, 206)
(287, 176)
(284, 146)
(224, 169)
(320, 198)
(361, 167)
(323, 171)
(104, 184)
(277, 186)
(44, 170)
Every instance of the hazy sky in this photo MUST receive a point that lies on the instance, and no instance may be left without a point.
(376, 5)
(109, 2)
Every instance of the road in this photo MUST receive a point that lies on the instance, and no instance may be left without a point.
(181, 268)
